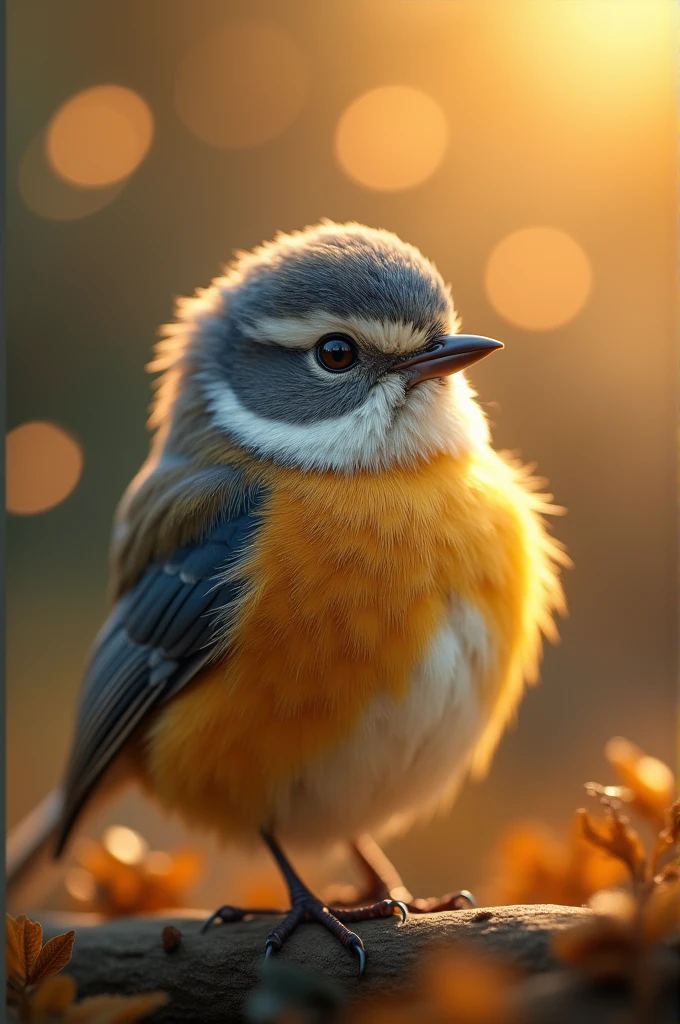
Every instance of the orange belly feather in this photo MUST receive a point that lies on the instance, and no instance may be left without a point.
(349, 580)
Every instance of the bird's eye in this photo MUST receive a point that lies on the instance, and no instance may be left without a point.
(336, 353)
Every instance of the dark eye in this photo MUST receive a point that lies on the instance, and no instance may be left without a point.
(336, 353)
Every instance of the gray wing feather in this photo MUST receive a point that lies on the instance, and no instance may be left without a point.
(156, 639)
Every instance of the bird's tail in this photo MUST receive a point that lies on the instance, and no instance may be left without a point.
(30, 869)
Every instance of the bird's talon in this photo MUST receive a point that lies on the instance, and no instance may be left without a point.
(467, 895)
(357, 947)
(403, 910)
(270, 947)
(387, 908)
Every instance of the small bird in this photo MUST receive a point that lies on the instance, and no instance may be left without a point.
(328, 589)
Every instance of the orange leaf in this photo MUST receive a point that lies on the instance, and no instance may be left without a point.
(54, 995)
(53, 957)
(32, 943)
(661, 913)
(615, 835)
(650, 779)
(115, 1009)
(16, 967)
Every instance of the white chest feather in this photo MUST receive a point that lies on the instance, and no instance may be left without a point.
(405, 757)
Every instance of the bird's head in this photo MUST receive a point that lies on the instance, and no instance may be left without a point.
(331, 348)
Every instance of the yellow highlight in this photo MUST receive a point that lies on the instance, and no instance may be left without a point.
(100, 136)
(242, 85)
(343, 603)
(44, 464)
(538, 278)
(391, 138)
(124, 844)
(52, 197)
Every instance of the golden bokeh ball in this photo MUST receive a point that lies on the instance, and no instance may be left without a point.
(99, 136)
(538, 278)
(391, 138)
(44, 464)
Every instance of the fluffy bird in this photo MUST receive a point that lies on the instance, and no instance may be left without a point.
(328, 589)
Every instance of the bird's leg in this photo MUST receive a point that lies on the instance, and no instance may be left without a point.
(305, 907)
(383, 881)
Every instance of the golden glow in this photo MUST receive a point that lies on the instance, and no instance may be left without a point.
(538, 278)
(391, 138)
(99, 136)
(242, 85)
(80, 885)
(613, 903)
(656, 776)
(158, 863)
(44, 464)
(52, 197)
(124, 844)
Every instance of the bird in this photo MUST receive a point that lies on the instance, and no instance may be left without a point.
(328, 589)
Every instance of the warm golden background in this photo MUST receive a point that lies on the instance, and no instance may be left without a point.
(529, 148)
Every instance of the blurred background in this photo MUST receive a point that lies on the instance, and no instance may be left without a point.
(528, 148)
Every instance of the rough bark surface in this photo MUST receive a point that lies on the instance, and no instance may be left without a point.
(210, 977)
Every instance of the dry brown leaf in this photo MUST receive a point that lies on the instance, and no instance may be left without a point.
(661, 912)
(53, 957)
(119, 875)
(24, 939)
(115, 1009)
(602, 948)
(54, 995)
(651, 780)
(533, 865)
(615, 834)
(14, 948)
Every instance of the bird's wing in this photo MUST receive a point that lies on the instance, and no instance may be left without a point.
(158, 636)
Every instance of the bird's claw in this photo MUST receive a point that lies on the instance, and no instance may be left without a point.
(356, 946)
(269, 948)
(388, 907)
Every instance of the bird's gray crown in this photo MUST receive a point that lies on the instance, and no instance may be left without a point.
(342, 269)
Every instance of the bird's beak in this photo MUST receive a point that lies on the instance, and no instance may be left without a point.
(447, 355)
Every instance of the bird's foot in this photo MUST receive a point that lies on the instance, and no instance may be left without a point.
(463, 900)
(352, 896)
(307, 908)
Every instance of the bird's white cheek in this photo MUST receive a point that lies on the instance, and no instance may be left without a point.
(387, 429)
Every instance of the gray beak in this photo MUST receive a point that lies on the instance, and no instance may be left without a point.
(447, 355)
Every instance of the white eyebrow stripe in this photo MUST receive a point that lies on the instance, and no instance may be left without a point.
(302, 332)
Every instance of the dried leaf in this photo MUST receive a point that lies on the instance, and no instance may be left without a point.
(615, 834)
(15, 948)
(651, 780)
(54, 995)
(24, 939)
(661, 912)
(602, 948)
(115, 1009)
(53, 957)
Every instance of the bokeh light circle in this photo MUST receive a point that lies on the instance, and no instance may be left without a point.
(391, 138)
(99, 136)
(242, 85)
(50, 196)
(44, 464)
(538, 278)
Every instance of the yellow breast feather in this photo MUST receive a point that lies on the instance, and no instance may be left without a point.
(348, 580)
